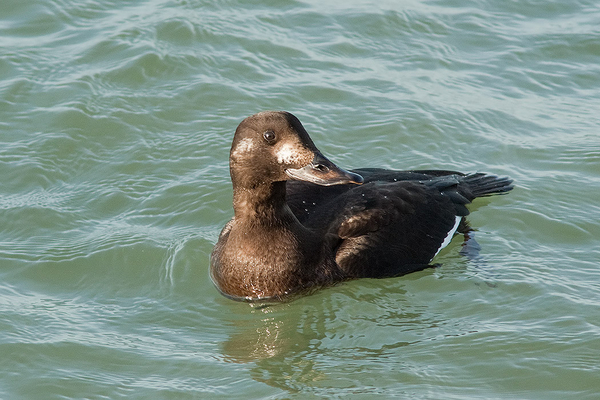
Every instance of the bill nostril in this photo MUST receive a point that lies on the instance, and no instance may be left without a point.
(321, 168)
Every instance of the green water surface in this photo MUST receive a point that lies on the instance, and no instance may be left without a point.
(116, 119)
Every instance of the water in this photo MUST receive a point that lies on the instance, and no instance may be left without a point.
(115, 124)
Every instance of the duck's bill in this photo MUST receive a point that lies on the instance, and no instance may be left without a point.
(323, 172)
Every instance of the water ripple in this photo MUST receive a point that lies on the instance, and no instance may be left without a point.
(116, 120)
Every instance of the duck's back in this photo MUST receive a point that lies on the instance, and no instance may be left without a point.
(394, 223)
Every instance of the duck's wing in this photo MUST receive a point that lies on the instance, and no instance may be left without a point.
(391, 175)
(304, 198)
(391, 228)
(397, 221)
(469, 186)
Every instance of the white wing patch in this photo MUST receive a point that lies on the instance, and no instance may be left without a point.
(450, 235)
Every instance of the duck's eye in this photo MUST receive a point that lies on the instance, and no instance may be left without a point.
(269, 136)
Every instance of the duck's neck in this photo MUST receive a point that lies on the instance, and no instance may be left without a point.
(263, 204)
(267, 252)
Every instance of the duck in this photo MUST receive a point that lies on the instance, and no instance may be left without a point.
(302, 223)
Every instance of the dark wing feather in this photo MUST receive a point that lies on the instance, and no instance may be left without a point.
(394, 223)
(369, 208)
(304, 197)
(386, 229)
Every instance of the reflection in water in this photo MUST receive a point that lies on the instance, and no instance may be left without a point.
(263, 333)
(296, 344)
(281, 339)
(256, 340)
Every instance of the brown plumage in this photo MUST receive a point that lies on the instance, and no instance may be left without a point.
(326, 225)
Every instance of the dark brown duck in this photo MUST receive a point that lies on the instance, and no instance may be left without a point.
(301, 223)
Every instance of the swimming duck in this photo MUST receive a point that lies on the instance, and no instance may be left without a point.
(301, 223)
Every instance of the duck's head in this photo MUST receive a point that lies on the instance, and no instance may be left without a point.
(273, 146)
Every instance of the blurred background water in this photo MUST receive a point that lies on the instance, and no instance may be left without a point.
(116, 119)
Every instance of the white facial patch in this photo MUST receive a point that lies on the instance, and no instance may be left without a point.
(286, 154)
(244, 146)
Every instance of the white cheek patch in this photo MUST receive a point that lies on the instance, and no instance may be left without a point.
(244, 146)
(287, 155)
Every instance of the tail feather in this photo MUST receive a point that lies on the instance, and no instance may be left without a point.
(481, 185)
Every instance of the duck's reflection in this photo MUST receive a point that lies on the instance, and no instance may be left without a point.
(266, 332)
(257, 340)
(283, 341)
(296, 346)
